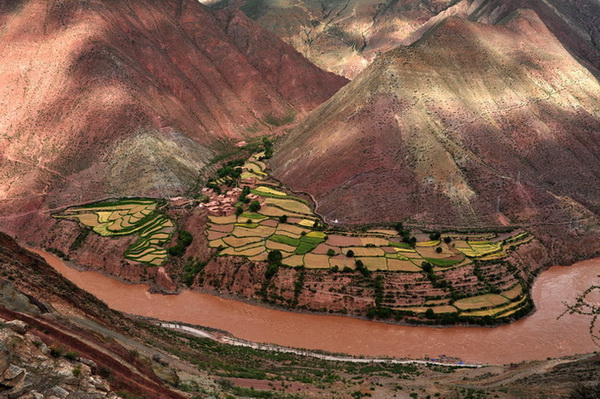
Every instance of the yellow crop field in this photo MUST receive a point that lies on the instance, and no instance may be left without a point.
(364, 251)
(260, 231)
(314, 261)
(513, 292)
(217, 243)
(294, 260)
(402, 266)
(494, 311)
(291, 230)
(223, 219)
(436, 309)
(126, 217)
(480, 301)
(289, 205)
(237, 242)
(307, 222)
(87, 219)
(272, 245)
(397, 255)
(384, 232)
(269, 210)
(221, 228)
(251, 250)
(437, 302)
(378, 242)
(261, 257)
(269, 190)
(428, 243)
(375, 263)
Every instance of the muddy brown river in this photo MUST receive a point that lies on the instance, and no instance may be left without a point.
(538, 336)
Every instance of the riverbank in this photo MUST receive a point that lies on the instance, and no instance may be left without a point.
(537, 337)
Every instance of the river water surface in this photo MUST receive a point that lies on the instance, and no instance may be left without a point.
(536, 337)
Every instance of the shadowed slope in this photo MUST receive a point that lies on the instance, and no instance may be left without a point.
(473, 125)
(134, 97)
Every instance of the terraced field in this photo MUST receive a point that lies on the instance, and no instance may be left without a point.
(126, 217)
(286, 223)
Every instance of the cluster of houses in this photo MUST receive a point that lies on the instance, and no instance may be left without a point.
(223, 204)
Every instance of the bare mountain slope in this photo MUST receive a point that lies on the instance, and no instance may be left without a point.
(473, 125)
(345, 36)
(134, 97)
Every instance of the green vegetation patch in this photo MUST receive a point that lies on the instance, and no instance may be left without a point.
(309, 242)
(442, 262)
(294, 242)
(117, 218)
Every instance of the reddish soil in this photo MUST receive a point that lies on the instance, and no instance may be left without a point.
(134, 98)
(453, 131)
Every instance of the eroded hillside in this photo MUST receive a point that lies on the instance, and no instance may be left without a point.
(345, 36)
(135, 97)
(473, 125)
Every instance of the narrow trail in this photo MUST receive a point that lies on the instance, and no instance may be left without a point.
(282, 349)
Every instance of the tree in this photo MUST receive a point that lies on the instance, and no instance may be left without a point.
(434, 236)
(275, 256)
(239, 210)
(438, 250)
(330, 252)
(283, 218)
(429, 314)
(427, 267)
(447, 240)
(350, 253)
(254, 206)
(399, 228)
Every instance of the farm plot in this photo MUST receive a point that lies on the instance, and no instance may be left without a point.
(127, 217)
(287, 223)
(481, 301)
(289, 205)
(502, 311)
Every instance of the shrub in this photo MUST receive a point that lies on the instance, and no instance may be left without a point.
(399, 228)
(71, 355)
(275, 256)
(254, 206)
(435, 236)
(429, 313)
(56, 351)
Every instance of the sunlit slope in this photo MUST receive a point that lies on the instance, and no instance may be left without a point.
(473, 125)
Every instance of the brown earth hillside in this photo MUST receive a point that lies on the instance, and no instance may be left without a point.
(134, 97)
(346, 36)
(474, 125)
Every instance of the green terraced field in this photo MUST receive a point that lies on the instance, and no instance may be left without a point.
(379, 250)
(127, 217)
